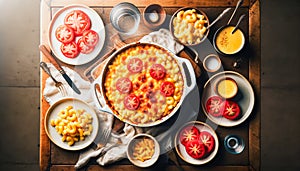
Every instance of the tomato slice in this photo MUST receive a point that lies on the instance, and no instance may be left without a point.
(167, 88)
(215, 106)
(232, 110)
(69, 50)
(124, 85)
(208, 140)
(157, 71)
(131, 102)
(83, 48)
(78, 21)
(64, 34)
(195, 149)
(90, 38)
(135, 65)
(189, 133)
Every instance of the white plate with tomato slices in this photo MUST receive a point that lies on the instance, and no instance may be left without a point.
(196, 143)
(228, 112)
(76, 34)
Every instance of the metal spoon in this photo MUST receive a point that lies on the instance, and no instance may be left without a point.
(239, 3)
(237, 24)
(219, 17)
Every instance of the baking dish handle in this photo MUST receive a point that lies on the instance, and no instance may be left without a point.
(97, 98)
(189, 74)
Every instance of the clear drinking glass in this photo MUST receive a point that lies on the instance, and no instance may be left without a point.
(125, 18)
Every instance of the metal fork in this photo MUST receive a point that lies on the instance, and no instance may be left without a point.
(58, 84)
(103, 138)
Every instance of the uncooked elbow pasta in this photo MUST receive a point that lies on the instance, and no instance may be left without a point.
(189, 26)
(73, 125)
(144, 149)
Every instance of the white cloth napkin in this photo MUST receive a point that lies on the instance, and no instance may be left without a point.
(52, 94)
(116, 147)
(164, 38)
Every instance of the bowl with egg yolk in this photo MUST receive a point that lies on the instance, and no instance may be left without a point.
(226, 88)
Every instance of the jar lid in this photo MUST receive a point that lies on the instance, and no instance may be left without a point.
(234, 144)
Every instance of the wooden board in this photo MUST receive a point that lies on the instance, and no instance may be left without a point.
(54, 158)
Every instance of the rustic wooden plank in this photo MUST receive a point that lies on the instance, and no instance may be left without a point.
(142, 3)
(254, 77)
(60, 156)
(62, 167)
(166, 168)
(44, 140)
(134, 168)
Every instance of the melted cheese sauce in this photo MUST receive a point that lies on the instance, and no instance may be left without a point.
(229, 43)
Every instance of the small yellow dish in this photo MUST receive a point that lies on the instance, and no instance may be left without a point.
(227, 88)
(227, 42)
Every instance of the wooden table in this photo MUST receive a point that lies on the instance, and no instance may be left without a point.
(55, 158)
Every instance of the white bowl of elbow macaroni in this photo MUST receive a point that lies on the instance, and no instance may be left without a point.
(143, 150)
(71, 124)
(188, 26)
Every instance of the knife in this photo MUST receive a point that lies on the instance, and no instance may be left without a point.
(54, 61)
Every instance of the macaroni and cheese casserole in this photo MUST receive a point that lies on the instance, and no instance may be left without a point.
(143, 84)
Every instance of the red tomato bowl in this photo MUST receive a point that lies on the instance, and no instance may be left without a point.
(185, 69)
(206, 143)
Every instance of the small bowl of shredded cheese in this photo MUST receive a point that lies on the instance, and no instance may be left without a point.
(143, 150)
